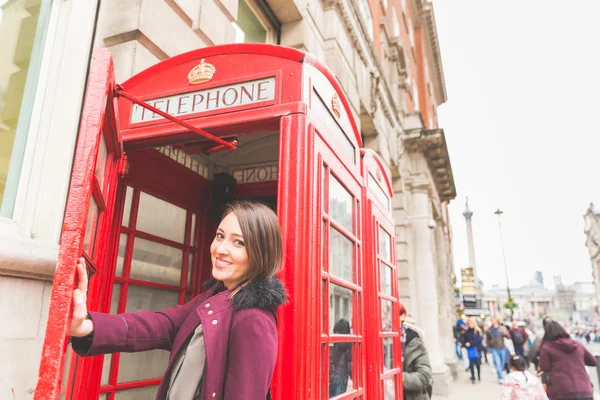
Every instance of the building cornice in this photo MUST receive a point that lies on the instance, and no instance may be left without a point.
(427, 19)
(432, 144)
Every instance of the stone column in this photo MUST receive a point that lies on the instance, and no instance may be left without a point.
(427, 311)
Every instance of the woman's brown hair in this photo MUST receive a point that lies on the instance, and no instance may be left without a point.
(553, 331)
(262, 236)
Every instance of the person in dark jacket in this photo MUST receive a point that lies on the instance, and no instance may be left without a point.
(519, 337)
(223, 343)
(565, 359)
(340, 361)
(472, 342)
(416, 367)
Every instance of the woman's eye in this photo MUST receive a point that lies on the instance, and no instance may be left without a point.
(220, 235)
(239, 243)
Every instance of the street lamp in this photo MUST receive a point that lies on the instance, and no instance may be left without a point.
(499, 214)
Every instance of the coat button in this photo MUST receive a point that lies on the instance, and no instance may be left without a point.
(210, 312)
(214, 321)
(214, 394)
(207, 305)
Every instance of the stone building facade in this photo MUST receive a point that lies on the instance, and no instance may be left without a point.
(591, 220)
(385, 54)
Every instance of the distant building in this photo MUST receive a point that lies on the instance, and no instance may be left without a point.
(533, 300)
(538, 277)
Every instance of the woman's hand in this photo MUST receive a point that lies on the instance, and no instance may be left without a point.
(80, 326)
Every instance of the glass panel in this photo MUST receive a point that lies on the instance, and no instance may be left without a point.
(388, 355)
(188, 297)
(161, 218)
(145, 298)
(386, 279)
(106, 369)
(340, 309)
(114, 300)
(340, 204)
(145, 393)
(103, 396)
(21, 46)
(340, 368)
(156, 262)
(324, 244)
(386, 316)
(190, 269)
(324, 328)
(127, 207)
(248, 28)
(385, 250)
(324, 187)
(144, 365)
(91, 227)
(193, 233)
(101, 161)
(121, 255)
(66, 368)
(389, 388)
(341, 251)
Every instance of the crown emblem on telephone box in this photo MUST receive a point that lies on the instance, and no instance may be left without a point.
(201, 73)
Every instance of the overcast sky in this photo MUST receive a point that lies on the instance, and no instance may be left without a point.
(521, 122)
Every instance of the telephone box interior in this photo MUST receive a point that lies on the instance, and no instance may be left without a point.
(158, 157)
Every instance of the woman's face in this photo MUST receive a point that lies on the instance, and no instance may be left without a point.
(471, 324)
(228, 253)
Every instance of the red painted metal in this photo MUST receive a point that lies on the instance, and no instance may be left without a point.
(226, 145)
(315, 131)
(93, 123)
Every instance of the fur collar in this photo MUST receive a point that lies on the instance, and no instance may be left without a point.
(264, 293)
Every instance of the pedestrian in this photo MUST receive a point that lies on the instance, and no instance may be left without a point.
(416, 368)
(495, 341)
(534, 351)
(472, 342)
(565, 359)
(519, 337)
(223, 343)
(484, 348)
(521, 384)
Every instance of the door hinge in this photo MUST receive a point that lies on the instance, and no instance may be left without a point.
(124, 167)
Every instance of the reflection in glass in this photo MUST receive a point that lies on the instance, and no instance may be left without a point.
(156, 262)
(324, 187)
(105, 369)
(340, 308)
(144, 365)
(386, 279)
(389, 388)
(386, 315)
(161, 218)
(103, 396)
(145, 393)
(340, 204)
(340, 366)
(116, 296)
(91, 227)
(190, 268)
(388, 355)
(101, 161)
(193, 233)
(385, 245)
(145, 298)
(127, 207)
(324, 244)
(341, 252)
(121, 254)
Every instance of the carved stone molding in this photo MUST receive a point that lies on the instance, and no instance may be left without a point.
(348, 24)
(432, 144)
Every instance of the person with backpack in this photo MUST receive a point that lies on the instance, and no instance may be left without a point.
(519, 337)
(416, 368)
(495, 341)
(521, 384)
(564, 359)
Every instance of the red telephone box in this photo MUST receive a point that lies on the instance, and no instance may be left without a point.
(157, 157)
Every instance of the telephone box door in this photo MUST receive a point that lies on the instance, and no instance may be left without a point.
(90, 204)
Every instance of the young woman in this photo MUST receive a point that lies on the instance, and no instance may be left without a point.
(416, 367)
(521, 384)
(223, 343)
(564, 359)
(472, 342)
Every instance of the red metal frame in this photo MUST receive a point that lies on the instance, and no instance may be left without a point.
(312, 134)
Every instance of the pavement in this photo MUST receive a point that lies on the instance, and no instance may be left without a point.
(490, 389)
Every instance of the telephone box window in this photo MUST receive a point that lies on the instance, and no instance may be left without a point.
(340, 310)
(386, 279)
(127, 207)
(386, 316)
(389, 388)
(385, 245)
(388, 354)
(155, 262)
(341, 251)
(161, 218)
(340, 368)
(121, 255)
(136, 394)
(91, 227)
(340, 204)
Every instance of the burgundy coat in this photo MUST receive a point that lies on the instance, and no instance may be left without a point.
(565, 360)
(240, 336)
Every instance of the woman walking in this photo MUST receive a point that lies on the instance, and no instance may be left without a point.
(223, 343)
(565, 359)
(416, 367)
(472, 342)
